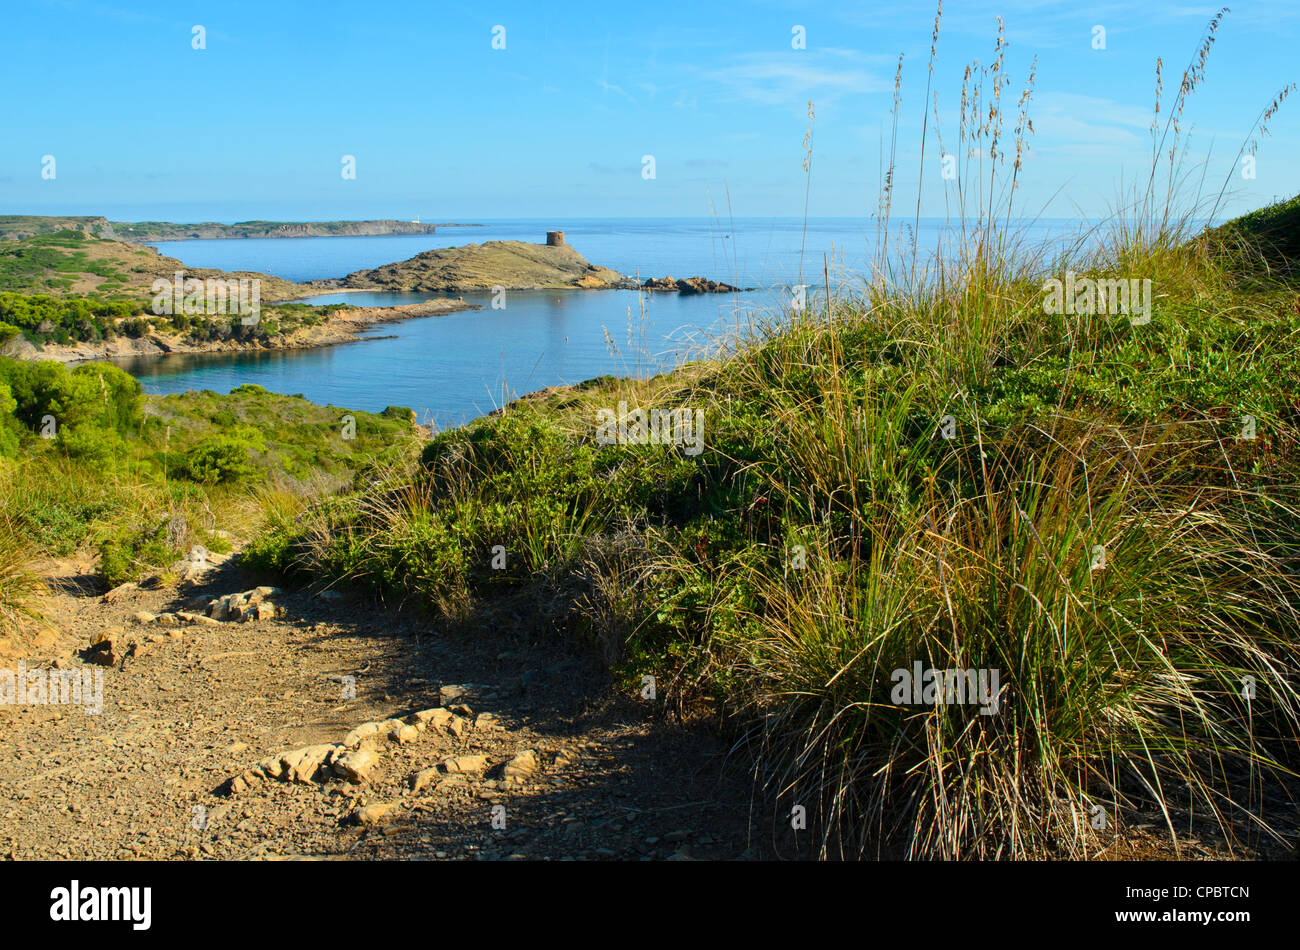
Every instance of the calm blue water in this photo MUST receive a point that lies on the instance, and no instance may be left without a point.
(455, 367)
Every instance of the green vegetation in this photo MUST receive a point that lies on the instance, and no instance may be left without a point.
(20, 589)
(1113, 525)
(822, 437)
(17, 226)
(89, 463)
(932, 470)
(168, 231)
(42, 319)
(53, 262)
(76, 262)
(1271, 234)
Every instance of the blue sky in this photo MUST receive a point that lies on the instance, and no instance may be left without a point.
(443, 126)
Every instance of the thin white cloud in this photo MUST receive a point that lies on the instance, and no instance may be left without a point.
(609, 87)
(797, 76)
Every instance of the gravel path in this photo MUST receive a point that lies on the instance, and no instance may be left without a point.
(568, 770)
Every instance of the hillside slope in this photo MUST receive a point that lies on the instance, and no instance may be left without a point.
(515, 265)
(1273, 232)
(74, 262)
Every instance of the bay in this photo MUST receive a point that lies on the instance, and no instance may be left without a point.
(454, 367)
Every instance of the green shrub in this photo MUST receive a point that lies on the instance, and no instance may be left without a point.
(94, 394)
(128, 554)
(219, 460)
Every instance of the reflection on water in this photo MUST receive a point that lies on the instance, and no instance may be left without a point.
(457, 366)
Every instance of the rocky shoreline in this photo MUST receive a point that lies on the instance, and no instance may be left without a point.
(344, 326)
(689, 285)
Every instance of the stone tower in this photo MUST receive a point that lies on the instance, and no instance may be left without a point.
(555, 238)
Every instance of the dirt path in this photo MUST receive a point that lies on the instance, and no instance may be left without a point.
(190, 706)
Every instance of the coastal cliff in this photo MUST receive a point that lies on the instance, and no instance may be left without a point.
(149, 231)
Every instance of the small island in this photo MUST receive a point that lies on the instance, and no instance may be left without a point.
(513, 265)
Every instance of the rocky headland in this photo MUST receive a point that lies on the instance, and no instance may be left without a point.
(341, 326)
(514, 265)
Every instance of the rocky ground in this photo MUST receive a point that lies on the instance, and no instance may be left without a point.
(307, 725)
(246, 722)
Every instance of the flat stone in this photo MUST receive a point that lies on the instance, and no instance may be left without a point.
(363, 731)
(452, 694)
(434, 718)
(565, 757)
(120, 591)
(521, 766)
(256, 596)
(356, 766)
(244, 781)
(197, 619)
(403, 735)
(423, 778)
(375, 814)
(464, 763)
(298, 765)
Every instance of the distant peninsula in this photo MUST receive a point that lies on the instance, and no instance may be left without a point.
(17, 226)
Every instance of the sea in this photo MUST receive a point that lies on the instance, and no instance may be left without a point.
(452, 368)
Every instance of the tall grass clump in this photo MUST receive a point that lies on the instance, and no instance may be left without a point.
(20, 588)
(1123, 605)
